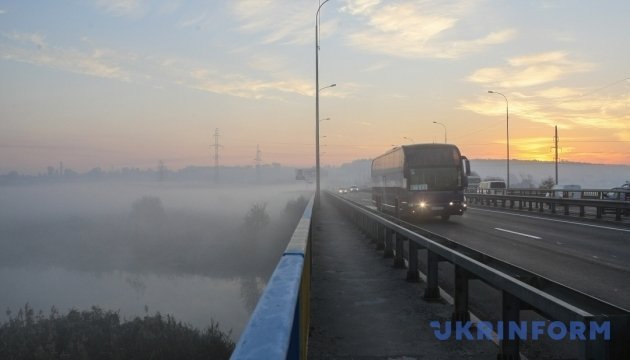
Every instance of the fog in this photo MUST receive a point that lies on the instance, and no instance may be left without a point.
(188, 249)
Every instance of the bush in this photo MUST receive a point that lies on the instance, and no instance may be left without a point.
(99, 334)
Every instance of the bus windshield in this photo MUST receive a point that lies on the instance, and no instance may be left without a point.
(434, 179)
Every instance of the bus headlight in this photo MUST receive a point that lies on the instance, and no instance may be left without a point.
(423, 204)
(450, 204)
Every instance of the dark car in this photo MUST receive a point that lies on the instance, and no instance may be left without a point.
(621, 193)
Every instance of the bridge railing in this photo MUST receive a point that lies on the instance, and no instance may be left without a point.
(278, 327)
(521, 289)
(599, 202)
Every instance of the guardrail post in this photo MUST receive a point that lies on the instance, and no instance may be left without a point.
(511, 307)
(399, 260)
(566, 209)
(531, 208)
(618, 214)
(413, 274)
(581, 210)
(460, 313)
(553, 208)
(380, 236)
(600, 210)
(373, 232)
(389, 252)
(432, 291)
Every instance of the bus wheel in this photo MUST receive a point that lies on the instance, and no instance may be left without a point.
(445, 217)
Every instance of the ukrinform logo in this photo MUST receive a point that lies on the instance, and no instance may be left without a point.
(523, 330)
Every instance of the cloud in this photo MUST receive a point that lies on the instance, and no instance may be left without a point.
(2, 11)
(132, 8)
(32, 48)
(533, 96)
(413, 29)
(199, 21)
(272, 82)
(241, 86)
(276, 21)
(530, 70)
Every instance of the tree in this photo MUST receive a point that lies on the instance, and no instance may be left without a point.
(148, 213)
(547, 184)
(257, 217)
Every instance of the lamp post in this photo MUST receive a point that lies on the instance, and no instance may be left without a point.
(507, 133)
(317, 172)
(320, 120)
(444, 126)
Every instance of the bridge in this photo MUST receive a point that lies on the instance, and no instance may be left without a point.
(354, 283)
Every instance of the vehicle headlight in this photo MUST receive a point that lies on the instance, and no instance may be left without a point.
(423, 204)
(450, 204)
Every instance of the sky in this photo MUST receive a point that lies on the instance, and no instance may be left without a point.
(129, 83)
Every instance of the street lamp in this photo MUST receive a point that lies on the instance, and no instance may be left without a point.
(320, 120)
(444, 126)
(507, 132)
(317, 172)
(408, 138)
(329, 86)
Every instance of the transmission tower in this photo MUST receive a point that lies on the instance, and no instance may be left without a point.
(258, 160)
(216, 154)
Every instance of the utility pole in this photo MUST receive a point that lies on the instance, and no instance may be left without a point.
(258, 160)
(216, 155)
(555, 140)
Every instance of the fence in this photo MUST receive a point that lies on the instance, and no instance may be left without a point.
(521, 290)
(535, 200)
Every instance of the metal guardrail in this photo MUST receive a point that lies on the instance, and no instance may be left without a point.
(521, 289)
(278, 327)
(539, 203)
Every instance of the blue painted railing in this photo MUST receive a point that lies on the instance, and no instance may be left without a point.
(278, 328)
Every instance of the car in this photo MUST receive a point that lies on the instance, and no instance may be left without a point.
(618, 193)
(354, 188)
(342, 190)
(570, 191)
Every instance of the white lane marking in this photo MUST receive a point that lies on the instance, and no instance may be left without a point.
(554, 220)
(518, 233)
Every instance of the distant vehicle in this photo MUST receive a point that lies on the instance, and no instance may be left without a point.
(570, 191)
(354, 188)
(342, 190)
(421, 180)
(473, 183)
(618, 193)
(493, 187)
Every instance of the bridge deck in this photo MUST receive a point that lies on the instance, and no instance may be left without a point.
(363, 308)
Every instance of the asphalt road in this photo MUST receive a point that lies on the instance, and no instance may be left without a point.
(588, 256)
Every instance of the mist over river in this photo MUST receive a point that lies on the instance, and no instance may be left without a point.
(187, 249)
